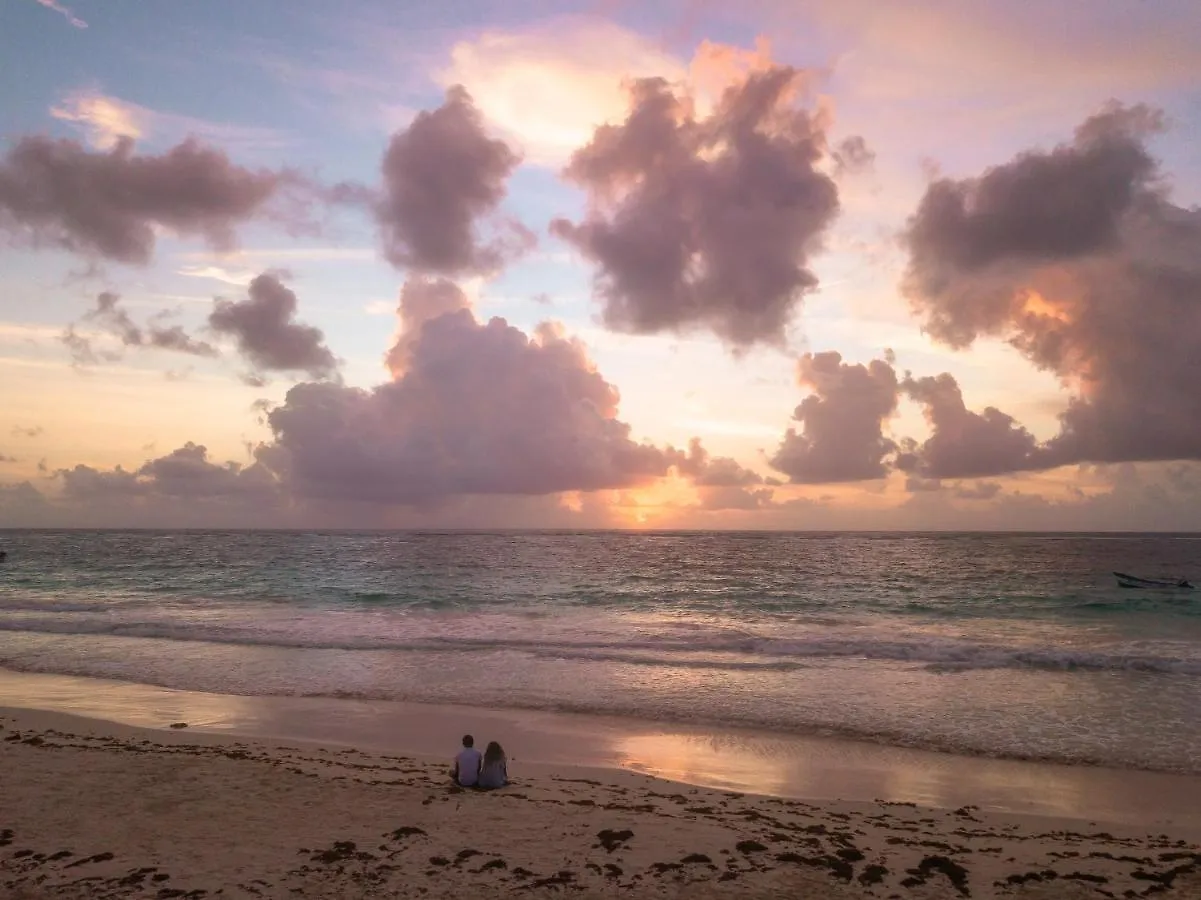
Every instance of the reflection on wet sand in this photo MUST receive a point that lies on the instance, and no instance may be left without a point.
(749, 762)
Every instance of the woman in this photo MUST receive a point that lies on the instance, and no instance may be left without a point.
(494, 773)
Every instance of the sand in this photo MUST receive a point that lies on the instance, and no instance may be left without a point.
(90, 808)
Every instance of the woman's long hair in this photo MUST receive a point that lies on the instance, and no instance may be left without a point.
(493, 753)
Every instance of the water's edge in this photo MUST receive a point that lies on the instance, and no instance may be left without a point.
(811, 768)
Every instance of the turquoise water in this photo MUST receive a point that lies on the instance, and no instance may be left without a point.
(1013, 645)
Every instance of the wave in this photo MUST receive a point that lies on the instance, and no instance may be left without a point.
(736, 651)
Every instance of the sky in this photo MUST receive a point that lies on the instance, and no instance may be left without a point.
(780, 264)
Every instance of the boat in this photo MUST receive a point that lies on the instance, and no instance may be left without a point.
(1169, 584)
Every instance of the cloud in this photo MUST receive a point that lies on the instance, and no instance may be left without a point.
(841, 437)
(547, 88)
(928, 50)
(1078, 258)
(32, 431)
(65, 12)
(721, 482)
(112, 319)
(8, 459)
(480, 408)
(442, 175)
(963, 443)
(730, 497)
(22, 505)
(981, 490)
(240, 277)
(183, 474)
(708, 471)
(853, 155)
(267, 334)
(421, 300)
(108, 204)
(706, 223)
(105, 120)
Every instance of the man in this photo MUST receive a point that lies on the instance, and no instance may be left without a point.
(466, 770)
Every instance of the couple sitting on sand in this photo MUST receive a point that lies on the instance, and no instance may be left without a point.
(486, 771)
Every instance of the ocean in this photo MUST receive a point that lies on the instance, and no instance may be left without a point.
(1003, 645)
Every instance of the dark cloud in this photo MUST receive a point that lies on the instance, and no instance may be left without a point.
(267, 334)
(841, 437)
(59, 193)
(479, 408)
(30, 432)
(705, 223)
(185, 473)
(442, 175)
(111, 318)
(1080, 260)
(962, 443)
(8, 459)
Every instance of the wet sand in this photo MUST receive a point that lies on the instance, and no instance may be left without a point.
(794, 766)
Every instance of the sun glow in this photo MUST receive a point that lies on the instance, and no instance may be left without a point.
(1035, 304)
(653, 505)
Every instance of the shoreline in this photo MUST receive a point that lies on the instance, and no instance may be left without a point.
(94, 808)
(732, 759)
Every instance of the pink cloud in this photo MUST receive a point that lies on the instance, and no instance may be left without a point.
(442, 175)
(705, 223)
(108, 204)
(1078, 257)
(842, 422)
(477, 408)
(111, 318)
(266, 331)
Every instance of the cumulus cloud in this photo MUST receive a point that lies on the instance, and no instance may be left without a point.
(442, 175)
(421, 300)
(108, 204)
(112, 319)
(963, 443)
(478, 408)
(267, 333)
(1078, 257)
(842, 421)
(706, 222)
(183, 473)
(705, 470)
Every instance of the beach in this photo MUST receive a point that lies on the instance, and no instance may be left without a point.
(93, 807)
(705, 714)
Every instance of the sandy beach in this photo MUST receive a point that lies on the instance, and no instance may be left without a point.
(94, 808)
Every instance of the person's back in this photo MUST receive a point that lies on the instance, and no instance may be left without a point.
(495, 770)
(466, 771)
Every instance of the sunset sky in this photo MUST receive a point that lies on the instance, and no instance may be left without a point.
(770, 264)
